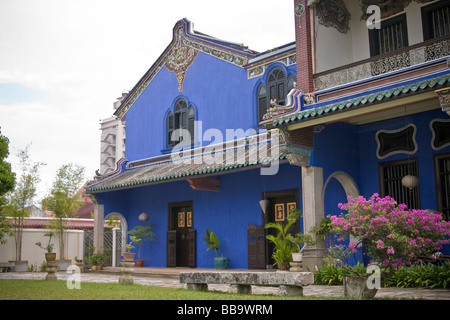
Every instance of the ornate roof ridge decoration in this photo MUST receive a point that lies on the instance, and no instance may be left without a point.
(329, 107)
(181, 53)
(296, 100)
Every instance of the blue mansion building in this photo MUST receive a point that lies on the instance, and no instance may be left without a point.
(213, 128)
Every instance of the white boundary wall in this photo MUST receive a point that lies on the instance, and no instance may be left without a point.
(74, 242)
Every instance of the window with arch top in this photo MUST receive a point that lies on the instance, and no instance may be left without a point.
(277, 88)
(182, 117)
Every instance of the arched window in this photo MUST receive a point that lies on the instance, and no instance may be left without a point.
(277, 88)
(181, 117)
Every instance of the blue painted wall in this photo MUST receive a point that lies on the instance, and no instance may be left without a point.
(221, 93)
(227, 212)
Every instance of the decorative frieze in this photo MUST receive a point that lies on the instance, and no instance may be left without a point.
(258, 70)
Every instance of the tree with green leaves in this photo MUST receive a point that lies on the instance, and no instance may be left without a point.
(23, 195)
(64, 198)
(284, 248)
(7, 183)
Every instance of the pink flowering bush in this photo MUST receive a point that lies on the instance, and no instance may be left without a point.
(394, 236)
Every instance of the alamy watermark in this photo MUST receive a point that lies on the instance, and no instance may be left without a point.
(238, 148)
(373, 22)
(374, 279)
(74, 279)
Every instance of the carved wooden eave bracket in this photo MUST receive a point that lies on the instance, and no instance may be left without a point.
(205, 184)
(444, 99)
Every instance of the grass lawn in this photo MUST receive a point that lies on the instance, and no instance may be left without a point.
(57, 290)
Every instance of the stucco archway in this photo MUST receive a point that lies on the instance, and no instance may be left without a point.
(348, 183)
(123, 224)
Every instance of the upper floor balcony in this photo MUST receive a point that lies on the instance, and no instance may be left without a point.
(424, 55)
(349, 50)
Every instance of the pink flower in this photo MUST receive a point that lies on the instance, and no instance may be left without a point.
(390, 251)
(380, 244)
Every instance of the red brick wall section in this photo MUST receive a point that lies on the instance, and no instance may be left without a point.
(304, 49)
(302, 137)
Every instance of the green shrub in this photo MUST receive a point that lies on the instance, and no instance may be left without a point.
(421, 275)
(332, 275)
(418, 275)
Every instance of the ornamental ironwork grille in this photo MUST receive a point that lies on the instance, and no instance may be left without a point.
(442, 178)
(107, 243)
(391, 175)
(391, 36)
(436, 20)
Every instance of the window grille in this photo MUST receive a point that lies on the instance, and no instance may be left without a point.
(436, 20)
(391, 175)
(442, 177)
(391, 36)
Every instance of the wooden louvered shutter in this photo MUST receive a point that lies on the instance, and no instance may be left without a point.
(170, 128)
(262, 102)
(191, 123)
(192, 236)
(171, 248)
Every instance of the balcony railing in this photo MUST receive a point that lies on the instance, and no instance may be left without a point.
(375, 66)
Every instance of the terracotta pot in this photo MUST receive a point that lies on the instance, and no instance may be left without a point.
(139, 263)
(128, 256)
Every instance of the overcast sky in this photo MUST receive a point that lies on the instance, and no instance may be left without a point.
(63, 63)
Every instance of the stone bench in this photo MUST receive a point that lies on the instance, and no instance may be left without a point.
(9, 265)
(289, 283)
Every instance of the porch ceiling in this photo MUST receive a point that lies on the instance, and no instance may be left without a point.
(399, 110)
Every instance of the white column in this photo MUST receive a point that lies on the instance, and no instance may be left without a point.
(313, 213)
(99, 221)
(114, 246)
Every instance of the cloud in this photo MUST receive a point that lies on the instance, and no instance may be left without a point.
(64, 63)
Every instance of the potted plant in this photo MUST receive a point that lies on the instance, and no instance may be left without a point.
(49, 255)
(128, 255)
(283, 250)
(213, 243)
(98, 259)
(300, 241)
(141, 234)
(393, 236)
(79, 263)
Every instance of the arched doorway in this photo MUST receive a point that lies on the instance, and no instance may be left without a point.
(123, 229)
(350, 188)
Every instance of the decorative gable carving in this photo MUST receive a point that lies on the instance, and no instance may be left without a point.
(180, 58)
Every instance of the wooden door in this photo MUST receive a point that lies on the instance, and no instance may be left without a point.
(280, 204)
(182, 236)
